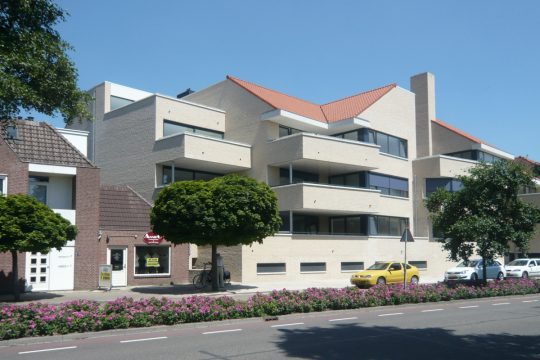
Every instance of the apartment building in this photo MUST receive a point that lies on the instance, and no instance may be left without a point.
(39, 160)
(350, 175)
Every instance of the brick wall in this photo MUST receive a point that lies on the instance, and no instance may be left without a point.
(17, 175)
(232, 259)
(87, 220)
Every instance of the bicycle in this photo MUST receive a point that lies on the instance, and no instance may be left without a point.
(204, 278)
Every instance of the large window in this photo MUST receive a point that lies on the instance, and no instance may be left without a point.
(449, 184)
(298, 177)
(285, 221)
(152, 260)
(118, 102)
(386, 225)
(37, 187)
(172, 128)
(348, 225)
(389, 144)
(305, 224)
(286, 131)
(185, 174)
(476, 155)
(389, 185)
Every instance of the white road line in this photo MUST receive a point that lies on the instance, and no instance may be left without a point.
(43, 350)
(528, 301)
(391, 314)
(468, 307)
(432, 310)
(220, 331)
(282, 325)
(500, 304)
(145, 339)
(343, 319)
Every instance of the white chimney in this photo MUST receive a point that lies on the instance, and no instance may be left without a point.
(423, 86)
(77, 138)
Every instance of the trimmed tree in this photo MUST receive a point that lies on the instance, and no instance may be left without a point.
(35, 71)
(486, 215)
(229, 210)
(27, 225)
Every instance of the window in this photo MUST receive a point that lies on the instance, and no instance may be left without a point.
(11, 132)
(3, 185)
(313, 266)
(389, 144)
(172, 128)
(476, 155)
(348, 225)
(386, 225)
(389, 185)
(449, 184)
(118, 102)
(286, 131)
(37, 187)
(271, 268)
(185, 174)
(419, 264)
(353, 180)
(298, 177)
(285, 221)
(305, 224)
(152, 260)
(352, 266)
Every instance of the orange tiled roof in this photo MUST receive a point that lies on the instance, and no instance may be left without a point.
(459, 132)
(334, 111)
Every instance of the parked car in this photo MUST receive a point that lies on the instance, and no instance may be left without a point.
(387, 272)
(522, 268)
(471, 270)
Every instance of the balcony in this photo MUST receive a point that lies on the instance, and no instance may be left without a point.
(320, 198)
(194, 151)
(310, 152)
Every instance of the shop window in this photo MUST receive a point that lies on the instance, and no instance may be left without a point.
(313, 267)
(352, 266)
(152, 260)
(271, 268)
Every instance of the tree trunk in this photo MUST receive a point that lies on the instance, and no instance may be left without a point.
(484, 270)
(15, 274)
(215, 286)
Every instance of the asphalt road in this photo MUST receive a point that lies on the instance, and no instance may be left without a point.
(504, 328)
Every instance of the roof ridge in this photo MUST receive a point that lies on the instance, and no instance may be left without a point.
(392, 85)
(69, 143)
(139, 195)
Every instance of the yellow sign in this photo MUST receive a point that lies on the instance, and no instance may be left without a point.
(152, 262)
(105, 276)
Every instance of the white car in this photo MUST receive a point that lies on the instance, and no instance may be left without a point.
(471, 270)
(523, 268)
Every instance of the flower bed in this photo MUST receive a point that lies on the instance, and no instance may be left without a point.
(37, 319)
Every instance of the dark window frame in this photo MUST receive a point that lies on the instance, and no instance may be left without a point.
(193, 173)
(269, 266)
(220, 134)
(379, 138)
(319, 267)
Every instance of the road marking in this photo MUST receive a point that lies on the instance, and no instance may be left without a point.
(468, 307)
(432, 310)
(391, 314)
(221, 331)
(343, 319)
(145, 339)
(528, 301)
(43, 350)
(500, 304)
(282, 325)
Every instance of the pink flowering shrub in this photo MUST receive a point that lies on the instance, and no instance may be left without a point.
(37, 319)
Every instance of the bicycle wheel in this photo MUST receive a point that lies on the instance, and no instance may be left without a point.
(198, 281)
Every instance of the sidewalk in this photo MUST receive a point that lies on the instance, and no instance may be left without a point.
(236, 290)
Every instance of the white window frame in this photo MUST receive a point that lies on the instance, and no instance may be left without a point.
(150, 275)
(4, 184)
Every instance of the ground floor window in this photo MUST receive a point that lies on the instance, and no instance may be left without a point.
(313, 266)
(152, 260)
(270, 268)
(352, 266)
(419, 264)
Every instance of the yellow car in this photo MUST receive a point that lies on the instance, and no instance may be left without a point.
(387, 272)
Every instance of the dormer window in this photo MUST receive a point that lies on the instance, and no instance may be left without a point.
(11, 132)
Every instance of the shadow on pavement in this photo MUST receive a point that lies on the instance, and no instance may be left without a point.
(187, 289)
(30, 296)
(390, 343)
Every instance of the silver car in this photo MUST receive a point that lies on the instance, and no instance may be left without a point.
(471, 270)
(523, 268)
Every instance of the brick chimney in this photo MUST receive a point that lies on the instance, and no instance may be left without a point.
(423, 86)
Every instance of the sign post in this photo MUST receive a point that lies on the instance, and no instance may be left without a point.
(406, 237)
(105, 277)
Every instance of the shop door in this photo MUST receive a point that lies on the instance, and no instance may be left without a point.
(37, 271)
(117, 257)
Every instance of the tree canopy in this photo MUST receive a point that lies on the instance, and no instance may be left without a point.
(35, 70)
(486, 215)
(228, 210)
(28, 225)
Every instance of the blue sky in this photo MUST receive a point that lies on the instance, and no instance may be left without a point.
(485, 54)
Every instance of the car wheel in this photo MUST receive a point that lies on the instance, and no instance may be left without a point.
(500, 276)
(525, 275)
(474, 277)
(381, 281)
(414, 280)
